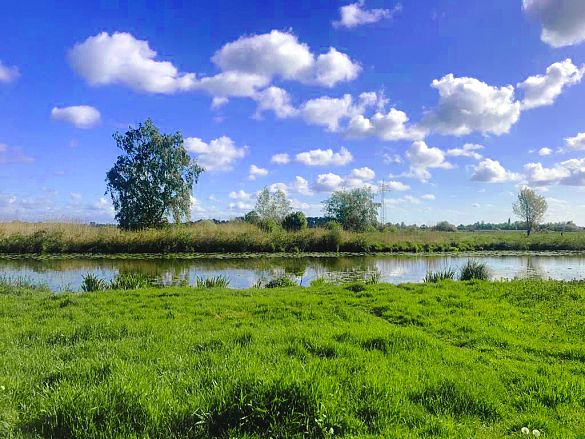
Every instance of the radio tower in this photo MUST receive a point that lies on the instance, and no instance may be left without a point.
(383, 203)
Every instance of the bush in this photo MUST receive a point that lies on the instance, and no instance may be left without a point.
(334, 238)
(93, 283)
(445, 226)
(130, 282)
(252, 217)
(295, 222)
(267, 225)
(436, 276)
(475, 270)
(281, 282)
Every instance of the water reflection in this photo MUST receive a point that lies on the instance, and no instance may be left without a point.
(62, 273)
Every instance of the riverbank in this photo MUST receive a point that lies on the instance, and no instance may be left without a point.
(207, 237)
(452, 359)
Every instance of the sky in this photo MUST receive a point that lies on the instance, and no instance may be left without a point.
(452, 107)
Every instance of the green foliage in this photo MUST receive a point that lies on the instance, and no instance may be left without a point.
(319, 282)
(130, 281)
(445, 226)
(93, 283)
(268, 225)
(272, 206)
(445, 360)
(437, 276)
(475, 270)
(252, 217)
(294, 222)
(354, 210)
(213, 282)
(152, 179)
(531, 208)
(281, 282)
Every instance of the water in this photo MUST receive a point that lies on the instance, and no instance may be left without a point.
(65, 272)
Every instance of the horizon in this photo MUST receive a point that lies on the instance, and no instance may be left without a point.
(455, 109)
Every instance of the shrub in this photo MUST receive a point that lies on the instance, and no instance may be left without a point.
(252, 217)
(445, 226)
(93, 283)
(281, 282)
(213, 282)
(334, 238)
(436, 276)
(319, 282)
(295, 222)
(267, 225)
(133, 281)
(475, 270)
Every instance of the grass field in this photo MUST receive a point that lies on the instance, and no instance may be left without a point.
(207, 237)
(449, 360)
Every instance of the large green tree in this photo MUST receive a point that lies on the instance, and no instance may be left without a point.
(153, 179)
(272, 206)
(531, 208)
(354, 210)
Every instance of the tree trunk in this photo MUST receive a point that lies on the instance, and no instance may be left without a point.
(528, 232)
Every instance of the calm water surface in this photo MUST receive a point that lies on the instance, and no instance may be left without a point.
(62, 273)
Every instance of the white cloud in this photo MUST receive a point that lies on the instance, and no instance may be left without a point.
(13, 155)
(567, 173)
(467, 105)
(227, 84)
(545, 151)
(491, 171)
(333, 182)
(277, 100)
(319, 157)
(419, 155)
(468, 150)
(389, 126)
(240, 205)
(281, 159)
(428, 197)
(389, 159)
(82, 116)
(563, 21)
(407, 199)
(576, 143)
(256, 172)
(8, 74)
(280, 54)
(217, 156)
(394, 186)
(476, 205)
(241, 195)
(421, 174)
(364, 173)
(122, 59)
(328, 112)
(299, 185)
(542, 90)
(355, 15)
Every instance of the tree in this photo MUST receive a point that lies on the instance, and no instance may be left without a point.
(154, 178)
(531, 208)
(273, 206)
(295, 222)
(354, 210)
(252, 217)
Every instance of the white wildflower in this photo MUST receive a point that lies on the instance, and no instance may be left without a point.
(536, 433)
(525, 430)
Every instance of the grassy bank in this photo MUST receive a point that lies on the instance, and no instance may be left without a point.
(207, 237)
(451, 360)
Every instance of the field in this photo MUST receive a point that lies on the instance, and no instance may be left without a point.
(207, 237)
(448, 360)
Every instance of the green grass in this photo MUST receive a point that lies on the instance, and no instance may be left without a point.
(207, 237)
(448, 360)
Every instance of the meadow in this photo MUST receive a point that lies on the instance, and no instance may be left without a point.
(239, 237)
(472, 359)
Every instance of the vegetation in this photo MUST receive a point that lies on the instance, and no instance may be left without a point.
(444, 226)
(448, 360)
(241, 237)
(281, 282)
(295, 222)
(475, 270)
(153, 178)
(531, 208)
(272, 206)
(354, 210)
(213, 282)
(437, 276)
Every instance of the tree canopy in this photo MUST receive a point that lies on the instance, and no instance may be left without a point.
(354, 210)
(531, 208)
(272, 206)
(153, 179)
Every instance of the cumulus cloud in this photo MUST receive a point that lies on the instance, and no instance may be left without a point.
(389, 158)
(81, 116)
(355, 15)
(491, 171)
(468, 150)
(563, 21)
(240, 205)
(8, 74)
(241, 195)
(217, 156)
(230, 84)
(419, 155)
(281, 159)
(567, 173)
(421, 174)
(407, 199)
(319, 157)
(467, 105)
(364, 173)
(394, 186)
(428, 197)
(277, 100)
(122, 59)
(256, 172)
(387, 126)
(545, 151)
(576, 143)
(542, 90)
(299, 185)
(280, 54)
(358, 178)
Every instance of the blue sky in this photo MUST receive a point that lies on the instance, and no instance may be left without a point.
(455, 108)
